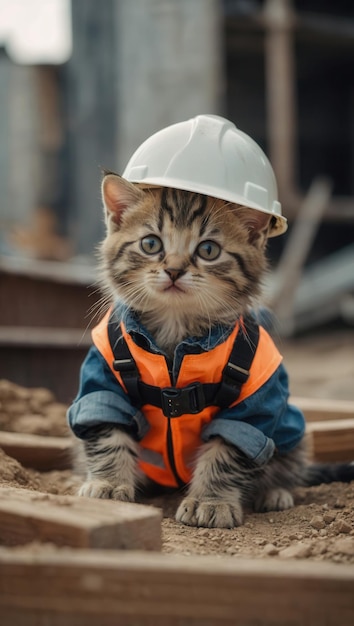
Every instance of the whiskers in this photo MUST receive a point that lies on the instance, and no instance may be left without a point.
(99, 307)
(248, 338)
(97, 310)
(218, 305)
(212, 295)
(134, 295)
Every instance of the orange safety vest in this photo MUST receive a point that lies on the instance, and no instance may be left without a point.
(170, 445)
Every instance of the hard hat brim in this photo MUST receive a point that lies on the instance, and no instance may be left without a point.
(279, 222)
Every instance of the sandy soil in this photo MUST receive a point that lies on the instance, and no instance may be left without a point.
(320, 527)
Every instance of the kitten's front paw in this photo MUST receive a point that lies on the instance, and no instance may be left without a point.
(277, 499)
(124, 493)
(96, 489)
(186, 512)
(209, 513)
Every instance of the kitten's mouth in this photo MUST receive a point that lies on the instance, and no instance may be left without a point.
(174, 288)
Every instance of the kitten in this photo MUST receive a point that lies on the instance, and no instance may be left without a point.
(188, 266)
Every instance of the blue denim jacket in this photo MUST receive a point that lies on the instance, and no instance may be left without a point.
(258, 425)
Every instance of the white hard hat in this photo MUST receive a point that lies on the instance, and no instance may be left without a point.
(209, 155)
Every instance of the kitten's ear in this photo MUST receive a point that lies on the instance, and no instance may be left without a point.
(118, 195)
(257, 223)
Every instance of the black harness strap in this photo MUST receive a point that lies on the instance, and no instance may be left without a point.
(237, 370)
(124, 362)
(195, 397)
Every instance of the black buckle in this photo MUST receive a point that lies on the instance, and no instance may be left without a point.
(237, 374)
(233, 377)
(124, 365)
(176, 402)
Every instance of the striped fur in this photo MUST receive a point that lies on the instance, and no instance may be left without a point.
(176, 293)
(111, 459)
(216, 291)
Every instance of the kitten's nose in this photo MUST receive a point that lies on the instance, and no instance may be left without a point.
(174, 274)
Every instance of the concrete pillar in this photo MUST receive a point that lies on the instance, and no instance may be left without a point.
(137, 66)
(169, 66)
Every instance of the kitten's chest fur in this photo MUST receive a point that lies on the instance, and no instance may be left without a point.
(169, 329)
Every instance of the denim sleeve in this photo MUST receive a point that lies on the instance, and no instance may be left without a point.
(262, 423)
(101, 401)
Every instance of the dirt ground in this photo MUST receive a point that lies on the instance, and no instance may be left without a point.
(319, 527)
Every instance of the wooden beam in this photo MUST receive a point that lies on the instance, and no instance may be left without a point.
(27, 516)
(52, 271)
(24, 336)
(329, 423)
(332, 440)
(38, 452)
(290, 268)
(279, 22)
(83, 588)
(317, 409)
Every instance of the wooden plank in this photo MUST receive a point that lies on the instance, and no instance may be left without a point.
(48, 337)
(27, 516)
(289, 272)
(83, 588)
(280, 75)
(317, 409)
(70, 273)
(57, 368)
(38, 452)
(332, 440)
(44, 297)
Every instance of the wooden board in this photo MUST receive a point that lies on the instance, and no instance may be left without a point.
(36, 451)
(317, 409)
(330, 425)
(86, 588)
(27, 516)
(332, 440)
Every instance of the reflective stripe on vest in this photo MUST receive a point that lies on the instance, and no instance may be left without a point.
(181, 436)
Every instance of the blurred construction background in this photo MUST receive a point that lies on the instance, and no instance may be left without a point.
(83, 83)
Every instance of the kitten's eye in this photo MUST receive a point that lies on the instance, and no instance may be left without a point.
(208, 250)
(151, 244)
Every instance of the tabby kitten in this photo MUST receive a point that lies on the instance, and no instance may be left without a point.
(186, 264)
